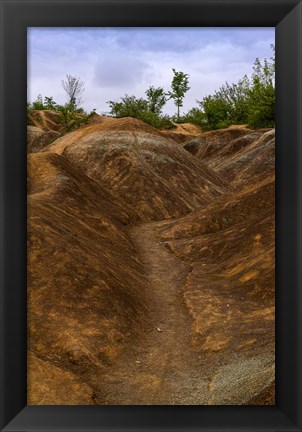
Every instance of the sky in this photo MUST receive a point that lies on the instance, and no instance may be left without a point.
(113, 62)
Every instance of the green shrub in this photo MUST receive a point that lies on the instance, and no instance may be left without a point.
(261, 111)
(37, 104)
(261, 106)
(250, 101)
(79, 121)
(72, 119)
(156, 121)
(194, 115)
(130, 106)
(216, 111)
(49, 103)
(66, 115)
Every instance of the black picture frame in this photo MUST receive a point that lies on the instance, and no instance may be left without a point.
(16, 16)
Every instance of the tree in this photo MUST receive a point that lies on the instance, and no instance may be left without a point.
(216, 111)
(250, 100)
(236, 97)
(228, 105)
(156, 99)
(74, 89)
(261, 98)
(180, 86)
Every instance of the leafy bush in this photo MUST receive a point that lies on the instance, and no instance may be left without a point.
(130, 106)
(216, 111)
(67, 116)
(49, 103)
(261, 107)
(37, 104)
(79, 121)
(249, 101)
(261, 112)
(194, 115)
(72, 119)
(159, 122)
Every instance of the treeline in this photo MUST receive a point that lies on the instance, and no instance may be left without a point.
(150, 108)
(250, 101)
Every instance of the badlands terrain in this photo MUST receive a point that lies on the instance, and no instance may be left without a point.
(150, 264)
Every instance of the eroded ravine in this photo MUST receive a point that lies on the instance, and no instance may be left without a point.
(118, 316)
(162, 368)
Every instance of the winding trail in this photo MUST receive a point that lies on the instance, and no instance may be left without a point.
(163, 368)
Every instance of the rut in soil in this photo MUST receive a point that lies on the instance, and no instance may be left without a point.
(163, 367)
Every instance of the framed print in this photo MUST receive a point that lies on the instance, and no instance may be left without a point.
(140, 262)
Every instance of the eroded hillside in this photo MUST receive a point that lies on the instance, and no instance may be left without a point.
(150, 266)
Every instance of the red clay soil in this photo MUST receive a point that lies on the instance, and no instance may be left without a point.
(205, 145)
(37, 138)
(46, 120)
(151, 269)
(142, 168)
(182, 132)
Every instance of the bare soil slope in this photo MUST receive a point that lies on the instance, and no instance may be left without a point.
(37, 138)
(229, 291)
(183, 132)
(151, 268)
(85, 279)
(45, 119)
(141, 167)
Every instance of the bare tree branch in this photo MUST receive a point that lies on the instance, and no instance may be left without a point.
(74, 89)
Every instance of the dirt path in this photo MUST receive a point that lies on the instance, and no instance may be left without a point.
(163, 368)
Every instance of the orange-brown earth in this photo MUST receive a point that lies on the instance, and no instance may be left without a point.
(182, 132)
(151, 267)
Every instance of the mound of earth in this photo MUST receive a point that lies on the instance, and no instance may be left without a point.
(224, 212)
(249, 163)
(140, 167)
(48, 120)
(241, 159)
(51, 120)
(85, 279)
(229, 247)
(183, 132)
(151, 267)
(33, 133)
(37, 138)
(205, 145)
(47, 384)
(229, 293)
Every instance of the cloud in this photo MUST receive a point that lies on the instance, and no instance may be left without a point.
(185, 40)
(116, 61)
(116, 70)
(156, 40)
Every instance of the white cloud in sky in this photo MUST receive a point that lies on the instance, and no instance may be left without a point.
(116, 61)
(120, 72)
